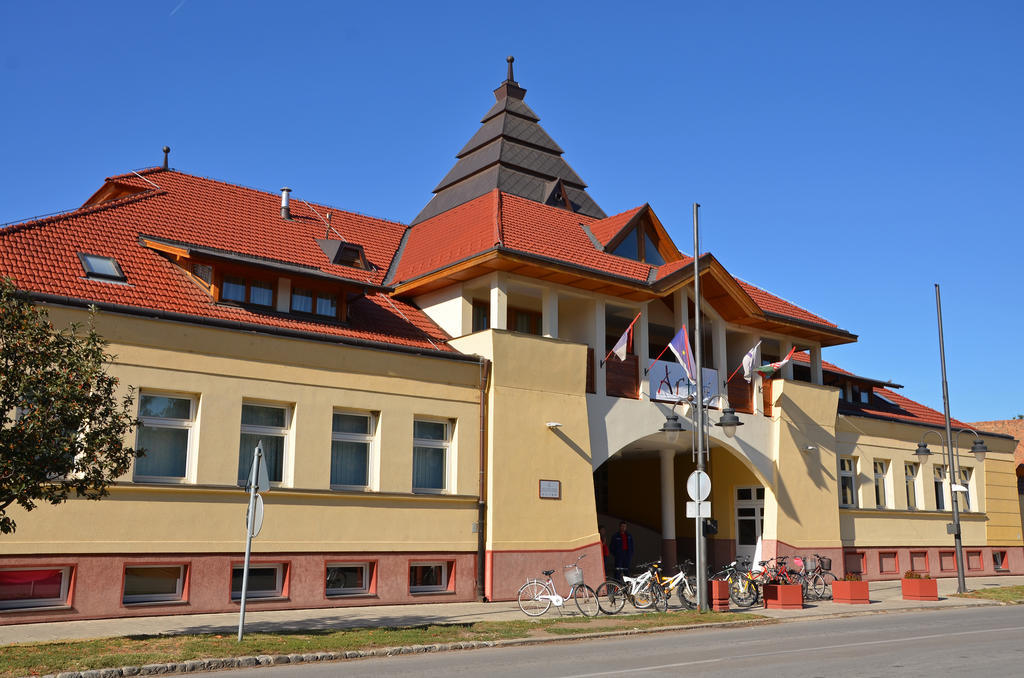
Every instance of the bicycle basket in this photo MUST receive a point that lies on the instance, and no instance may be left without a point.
(574, 576)
(826, 563)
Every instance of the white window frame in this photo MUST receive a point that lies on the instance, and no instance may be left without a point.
(910, 475)
(852, 475)
(285, 431)
(136, 599)
(446, 444)
(882, 478)
(944, 487)
(61, 601)
(434, 588)
(372, 457)
(966, 496)
(341, 592)
(278, 591)
(161, 422)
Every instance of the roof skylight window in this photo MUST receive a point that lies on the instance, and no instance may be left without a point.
(101, 267)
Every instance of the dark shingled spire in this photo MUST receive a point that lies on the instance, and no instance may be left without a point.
(513, 153)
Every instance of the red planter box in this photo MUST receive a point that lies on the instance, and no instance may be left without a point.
(850, 592)
(783, 596)
(719, 594)
(920, 589)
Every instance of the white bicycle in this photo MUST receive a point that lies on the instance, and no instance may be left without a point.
(537, 596)
(641, 590)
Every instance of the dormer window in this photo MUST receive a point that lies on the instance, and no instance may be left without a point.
(99, 267)
(316, 303)
(238, 289)
(638, 245)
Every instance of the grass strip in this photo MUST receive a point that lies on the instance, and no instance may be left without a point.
(1004, 594)
(37, 659)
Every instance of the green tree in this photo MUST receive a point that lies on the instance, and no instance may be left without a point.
(63, 426)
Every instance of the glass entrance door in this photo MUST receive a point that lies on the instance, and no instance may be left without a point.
(749, 520)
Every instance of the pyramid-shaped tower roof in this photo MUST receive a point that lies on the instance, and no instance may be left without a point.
(513, 153)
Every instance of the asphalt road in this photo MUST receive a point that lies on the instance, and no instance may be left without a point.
(963, 642)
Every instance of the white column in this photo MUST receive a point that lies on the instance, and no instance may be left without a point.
(549, 314)
(284, 295)
(816, 377)
(680, 309)
(641, 342)
(668, 509)
(784, 347)
(720, 356)
(668, 494)
(597, 341)
(499, 302)
(465, 312)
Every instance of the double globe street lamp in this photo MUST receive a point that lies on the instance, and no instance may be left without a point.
(672, 428)
(951, 447)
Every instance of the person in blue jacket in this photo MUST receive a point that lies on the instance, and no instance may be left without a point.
(622, 548)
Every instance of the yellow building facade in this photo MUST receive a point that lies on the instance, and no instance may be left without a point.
(440, 406)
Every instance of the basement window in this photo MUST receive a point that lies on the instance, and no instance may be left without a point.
(99, 267)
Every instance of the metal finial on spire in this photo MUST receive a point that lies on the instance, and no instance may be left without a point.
(510, 59)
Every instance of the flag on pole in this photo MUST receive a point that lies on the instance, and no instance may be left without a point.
(748, 361)
(680, 346)
(768, 370)
(622, 345)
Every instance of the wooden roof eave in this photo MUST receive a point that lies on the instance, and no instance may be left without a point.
(501, 258)
(709, 266)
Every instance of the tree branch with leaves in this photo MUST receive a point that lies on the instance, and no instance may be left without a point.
(63, 425)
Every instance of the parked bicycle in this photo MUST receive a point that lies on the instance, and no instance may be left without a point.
(537, 596)
(680, 583)
(613, 593)
(820, 578)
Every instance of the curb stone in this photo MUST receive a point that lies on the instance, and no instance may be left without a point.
(197, 665)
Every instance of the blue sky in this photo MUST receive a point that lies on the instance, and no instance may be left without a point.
(847, 156)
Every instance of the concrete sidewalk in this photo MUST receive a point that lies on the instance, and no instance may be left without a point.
(885, 597)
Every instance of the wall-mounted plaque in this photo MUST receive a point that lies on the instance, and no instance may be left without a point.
(551, 489)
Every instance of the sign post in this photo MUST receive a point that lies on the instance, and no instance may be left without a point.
(258, 480)
(698, 486)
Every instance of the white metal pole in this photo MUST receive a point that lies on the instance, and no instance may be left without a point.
(257, 457)
(702, 584)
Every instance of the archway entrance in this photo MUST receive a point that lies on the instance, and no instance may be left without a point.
(644, 484)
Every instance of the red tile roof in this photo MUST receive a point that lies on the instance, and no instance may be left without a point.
(902, 408)
(905, 409)
(41, 256)
(671, 267)
(1010, 427)
(770, 303)
(515, 223)
(606, 229)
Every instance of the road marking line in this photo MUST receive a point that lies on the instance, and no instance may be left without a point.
(807, 649)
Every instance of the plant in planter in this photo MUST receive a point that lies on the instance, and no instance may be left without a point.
(851, 590)
(918, 586)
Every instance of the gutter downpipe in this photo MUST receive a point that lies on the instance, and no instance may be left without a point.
(481, 525)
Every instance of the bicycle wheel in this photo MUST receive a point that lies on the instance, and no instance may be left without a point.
(644, 597)
(660, 598)
(743, 592)
(530, 601)
(688, 593)
(586, 600)
(815, 586)
(828, 578)
(610, 596)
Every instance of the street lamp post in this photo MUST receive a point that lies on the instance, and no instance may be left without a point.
(951, 447)
(702, 423)
(961, 584)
